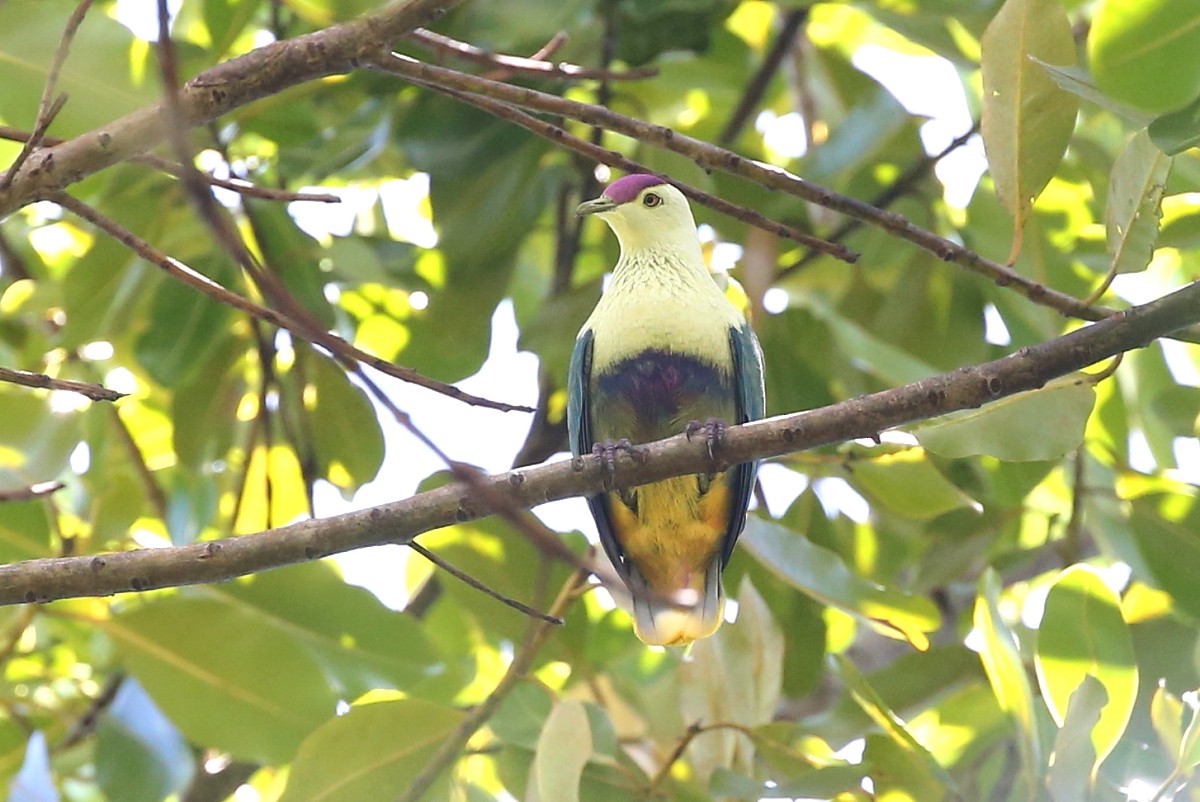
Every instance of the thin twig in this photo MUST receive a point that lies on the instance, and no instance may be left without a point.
(33, 491)
(522, 662)
(238, 185)
(41, 381)
(467, 579)
(711, 157)
(535, 66)
(903, 185)
(757, 87)
(331, 342)
(49, 106)
(610, 157)
(154, 493)
(218, 90)
(967, 387)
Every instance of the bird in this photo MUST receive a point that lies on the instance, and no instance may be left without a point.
(664, 352)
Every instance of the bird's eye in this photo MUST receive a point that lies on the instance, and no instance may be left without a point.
(651, 200)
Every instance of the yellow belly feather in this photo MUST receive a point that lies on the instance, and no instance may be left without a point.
(675, 533)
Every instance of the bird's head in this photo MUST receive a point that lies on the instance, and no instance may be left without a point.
(644, 211)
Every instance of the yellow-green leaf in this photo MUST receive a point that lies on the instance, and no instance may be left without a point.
(1133, 211)
(563, 750)
(1144, 52)
(821, 574)
(1027, 118)
(370, 753)
(1083, 634)
(909, 484)
(1004, 669)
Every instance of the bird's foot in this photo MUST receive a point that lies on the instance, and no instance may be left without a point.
(714, 432)
(606, 453)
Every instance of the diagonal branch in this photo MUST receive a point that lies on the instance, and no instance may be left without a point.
(219, 90)
(333, 343)
(711, 157)
(612, 158)
(401, 521)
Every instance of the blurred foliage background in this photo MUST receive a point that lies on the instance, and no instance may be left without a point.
(1001, 606)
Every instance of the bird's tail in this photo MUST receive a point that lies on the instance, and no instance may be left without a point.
(680, 617)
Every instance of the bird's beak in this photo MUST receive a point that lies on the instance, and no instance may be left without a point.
(600, 204)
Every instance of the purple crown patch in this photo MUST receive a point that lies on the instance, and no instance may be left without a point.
(626, 189)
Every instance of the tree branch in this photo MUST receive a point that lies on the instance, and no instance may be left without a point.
(711, 157)
(219, 90)
(401, 521)
(41, 381)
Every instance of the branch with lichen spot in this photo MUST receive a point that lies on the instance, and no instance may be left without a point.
(41, 381)
(400, 521)
(216, 91)
(28, 493)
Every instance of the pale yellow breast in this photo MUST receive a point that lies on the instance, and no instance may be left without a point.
(656, 303)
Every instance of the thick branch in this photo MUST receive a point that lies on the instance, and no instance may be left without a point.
(219, 90)
(400, 521)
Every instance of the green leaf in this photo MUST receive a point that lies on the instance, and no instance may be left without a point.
(185, 327)
(1027, 118)
(907, 483)
(734, 676)
(1133, 211)
(1026, 427)
(1074, 757)
(821, 574)
(1082, 634)
(1189, 748)
(35, 443)
(1166, 539)
(1166, 715)
(24, 531)
(372, 752)
(359, 644)
(563, 750)
(929, 774)
(346, 432)
(897, 776)
(1144, 52)
(1176, 131)
(140, 756)
(1005, 670)
(97, 75)
(1077, 81)
(224, 676)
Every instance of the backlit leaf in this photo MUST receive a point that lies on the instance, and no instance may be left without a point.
(1027, 118)
(1037, 425)
(562, 751)
(821, 574)
(1082, 634)
(1132, 213)
(1143, 52)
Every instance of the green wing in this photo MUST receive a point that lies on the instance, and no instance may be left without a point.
(751, 405)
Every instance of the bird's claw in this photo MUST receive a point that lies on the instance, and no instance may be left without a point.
(606, 454)
(714, 432)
